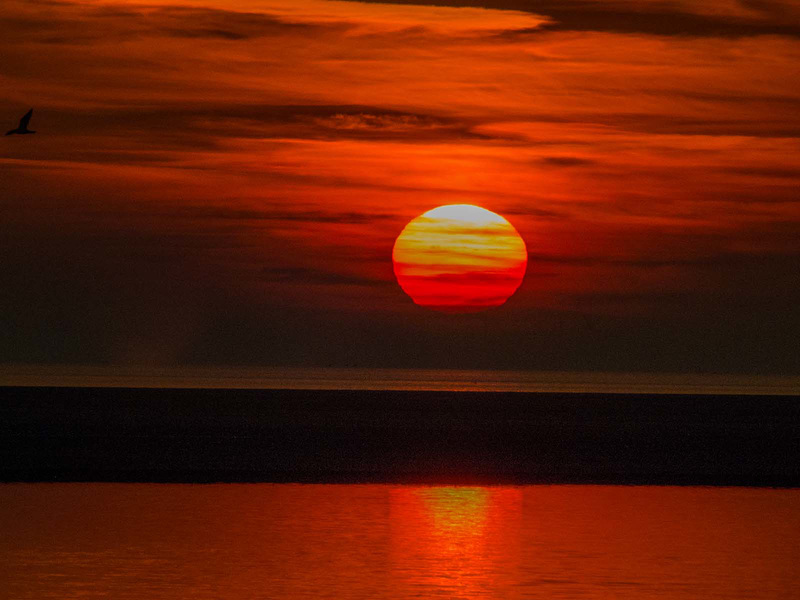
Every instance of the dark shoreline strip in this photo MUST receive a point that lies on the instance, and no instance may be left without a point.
(210, 478)
(469, 438)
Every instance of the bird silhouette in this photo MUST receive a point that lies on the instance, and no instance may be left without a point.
(23, 125)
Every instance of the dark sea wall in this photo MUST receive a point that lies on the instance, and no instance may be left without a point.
(114, 434)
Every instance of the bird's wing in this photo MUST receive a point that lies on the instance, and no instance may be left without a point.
(23, 122)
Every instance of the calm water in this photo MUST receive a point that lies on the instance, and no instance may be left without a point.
(381, 541)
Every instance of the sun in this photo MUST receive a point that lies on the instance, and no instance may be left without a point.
(459, 258)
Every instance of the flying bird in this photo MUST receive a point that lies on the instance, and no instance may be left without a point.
(23, 125)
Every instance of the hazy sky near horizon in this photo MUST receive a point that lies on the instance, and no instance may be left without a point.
(221, 182)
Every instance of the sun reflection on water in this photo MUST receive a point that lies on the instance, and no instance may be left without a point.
(455, 539)
(458, 515)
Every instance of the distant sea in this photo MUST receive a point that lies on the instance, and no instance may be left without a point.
(458, 484)
(451, 380)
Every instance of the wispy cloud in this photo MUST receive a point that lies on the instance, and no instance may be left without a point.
(81, 23)
(683, 18)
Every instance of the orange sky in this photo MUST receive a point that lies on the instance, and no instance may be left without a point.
(222, 182)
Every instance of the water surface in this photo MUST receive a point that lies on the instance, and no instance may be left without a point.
(390, 541)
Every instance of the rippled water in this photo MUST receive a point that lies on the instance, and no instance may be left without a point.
(382, 541)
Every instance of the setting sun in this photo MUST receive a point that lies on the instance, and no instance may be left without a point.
(459, 258)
